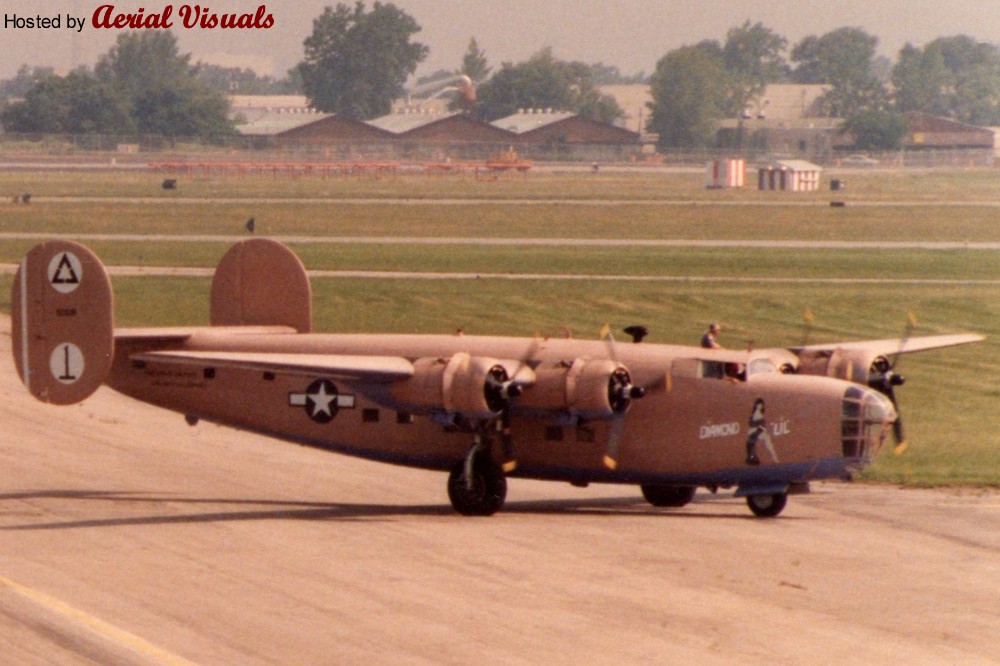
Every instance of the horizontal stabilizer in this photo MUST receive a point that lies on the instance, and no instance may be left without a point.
(166, 335)
(377, 369)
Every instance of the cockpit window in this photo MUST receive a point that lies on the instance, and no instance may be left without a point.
(717, 370)
(703, 369)
(761, 366)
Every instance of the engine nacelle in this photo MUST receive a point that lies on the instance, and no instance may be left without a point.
(585, 388)
(475, 387)
(854, 365)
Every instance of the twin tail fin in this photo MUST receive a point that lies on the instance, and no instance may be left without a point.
(62, 323)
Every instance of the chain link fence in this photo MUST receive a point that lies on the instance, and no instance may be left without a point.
(144, 149)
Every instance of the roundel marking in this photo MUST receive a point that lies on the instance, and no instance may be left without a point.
(66, 363)
(65, 272)
(321, 401)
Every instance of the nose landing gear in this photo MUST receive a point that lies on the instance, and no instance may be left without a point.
(767, 506)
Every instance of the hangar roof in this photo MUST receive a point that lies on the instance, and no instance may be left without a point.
(526, 120)
(276, 122)
(399, 123)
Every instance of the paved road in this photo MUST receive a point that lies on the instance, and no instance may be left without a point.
(538, 242)
(522, 242)
(175, 271)
(127, 537)
(311, 201)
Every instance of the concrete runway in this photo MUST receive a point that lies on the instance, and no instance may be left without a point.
(127, 537)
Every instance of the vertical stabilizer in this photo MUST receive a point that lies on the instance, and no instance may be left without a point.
(260, 282)
(62, 322)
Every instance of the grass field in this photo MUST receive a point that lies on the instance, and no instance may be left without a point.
(951, 398)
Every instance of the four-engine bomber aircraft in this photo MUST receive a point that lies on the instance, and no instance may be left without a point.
(667, 418)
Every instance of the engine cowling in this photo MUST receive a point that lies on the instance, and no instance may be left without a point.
(853, 365)
(475, 387)
(585, 388)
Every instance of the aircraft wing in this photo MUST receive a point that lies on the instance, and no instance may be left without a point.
(378, 369)
(896, 346)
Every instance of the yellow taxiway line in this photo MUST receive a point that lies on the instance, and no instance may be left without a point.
(118, 637)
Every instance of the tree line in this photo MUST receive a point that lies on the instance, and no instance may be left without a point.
(695, 86)
(357, 61)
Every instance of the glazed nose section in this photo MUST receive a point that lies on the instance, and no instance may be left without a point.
(866, 418)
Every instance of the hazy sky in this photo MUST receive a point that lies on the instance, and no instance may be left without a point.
(631, 34)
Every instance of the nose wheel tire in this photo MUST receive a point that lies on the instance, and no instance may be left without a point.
(481, 495)
(767, 506)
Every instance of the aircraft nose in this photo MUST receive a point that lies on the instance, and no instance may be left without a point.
(866, 419)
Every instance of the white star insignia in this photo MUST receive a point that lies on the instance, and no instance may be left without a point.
(321, 401)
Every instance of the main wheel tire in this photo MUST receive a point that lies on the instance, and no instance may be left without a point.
(668, 496)
(487, 492)
(767, 506)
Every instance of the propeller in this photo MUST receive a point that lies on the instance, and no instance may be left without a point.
(500, 392)
(884, 378)
(621, 392)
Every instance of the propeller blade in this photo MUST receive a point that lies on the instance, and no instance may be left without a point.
(609, 341)
(807, 323)
(507, 442)
(894, 379)
(614, 440)
(897, 425)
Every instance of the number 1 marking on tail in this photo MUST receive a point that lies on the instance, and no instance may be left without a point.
(66, 363)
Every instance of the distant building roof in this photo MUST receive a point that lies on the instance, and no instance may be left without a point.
(268, 102)
(261, 115)
(266, 123)
(331, 128)
(793, 165)
(400, 123)
(436, 105)
(527, 120)
(928, 131)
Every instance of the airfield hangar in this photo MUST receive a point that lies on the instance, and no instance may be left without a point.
(432, 134)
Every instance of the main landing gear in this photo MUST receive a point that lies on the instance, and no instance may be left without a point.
(668, 496)
(477, 485)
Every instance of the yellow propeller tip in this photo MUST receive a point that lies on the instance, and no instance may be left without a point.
(900, 448)
(610, 462)
(509, 466)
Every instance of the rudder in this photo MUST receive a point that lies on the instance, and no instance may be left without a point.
(62, 324)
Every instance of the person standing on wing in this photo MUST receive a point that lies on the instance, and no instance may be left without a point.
(709, 340)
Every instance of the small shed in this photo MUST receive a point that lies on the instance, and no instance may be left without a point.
(725, 173)
(789, 175)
